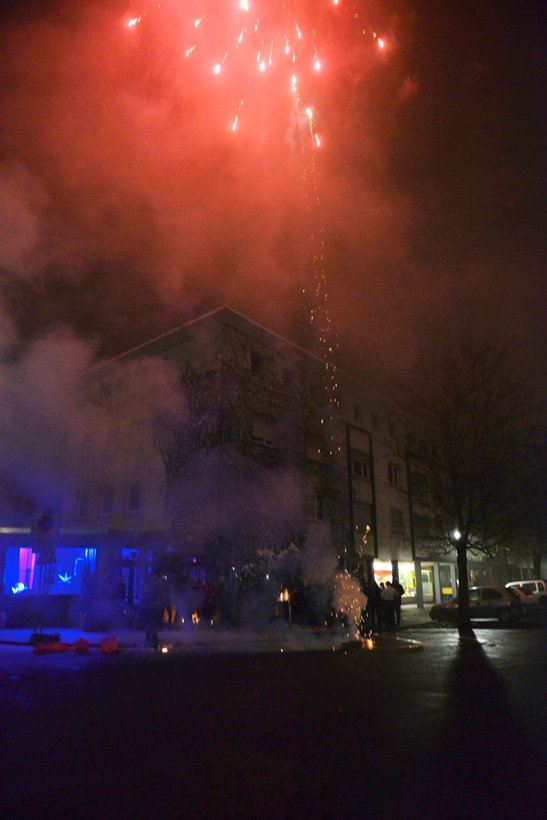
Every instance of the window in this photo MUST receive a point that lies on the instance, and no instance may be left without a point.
(393, 474)
(357, 412)
(397, 522)
(422, 527)
(316, 511)
(419, 485)
(359, 468)
(257, 362)
(362, 515)
(315, 447)
(289, 379)
(107, 500)
(83, 503)
(264, 431)
(319, 507)
(314, 392)
(134, 497)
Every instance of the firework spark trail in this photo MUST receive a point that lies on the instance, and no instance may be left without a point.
(248, 38)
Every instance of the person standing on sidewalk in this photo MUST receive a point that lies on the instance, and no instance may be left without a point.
(375, 603)
(389, 594)
(399, 588)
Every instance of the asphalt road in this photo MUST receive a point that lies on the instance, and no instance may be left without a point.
(456, 731)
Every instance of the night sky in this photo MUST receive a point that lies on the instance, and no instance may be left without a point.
(128, 205)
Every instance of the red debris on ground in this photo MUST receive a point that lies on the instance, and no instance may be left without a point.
(81, 645)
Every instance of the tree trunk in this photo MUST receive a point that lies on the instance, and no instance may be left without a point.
(464, 618)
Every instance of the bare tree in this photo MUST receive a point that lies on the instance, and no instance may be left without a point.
(467, 420)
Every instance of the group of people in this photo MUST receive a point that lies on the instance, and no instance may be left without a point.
(384, 603)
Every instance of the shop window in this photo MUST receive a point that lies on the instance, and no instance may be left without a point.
(27, 562)
(73, 568)
(428, 584)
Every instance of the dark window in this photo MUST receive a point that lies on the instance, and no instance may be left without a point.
(397, 522)
(264, 431)
(134, 497)
(319, 512)
(83, 503)
(422, 528)
(419, 485)
(314, 392)
(257, 362)
(107, 500)
(289, 379)
(359, 468)
(362, 515)
(393, 474)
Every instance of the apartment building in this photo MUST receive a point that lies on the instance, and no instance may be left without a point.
(218, 438)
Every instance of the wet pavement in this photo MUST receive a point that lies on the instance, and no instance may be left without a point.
(206, 637)
(456, 730)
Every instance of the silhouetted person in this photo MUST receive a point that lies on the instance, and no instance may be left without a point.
(397, 603)
(374, 603)
(153, 608)
(389, 594)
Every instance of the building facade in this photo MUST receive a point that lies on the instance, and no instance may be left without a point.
(218, 439)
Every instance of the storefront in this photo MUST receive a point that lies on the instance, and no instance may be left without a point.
(436, 581)
(67, 576)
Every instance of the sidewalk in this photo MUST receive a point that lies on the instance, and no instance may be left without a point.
(204, 638)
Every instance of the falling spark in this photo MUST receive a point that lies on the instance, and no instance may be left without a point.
(283, 40)
(290, 34)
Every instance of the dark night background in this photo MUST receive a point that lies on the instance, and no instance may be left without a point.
(128, 206)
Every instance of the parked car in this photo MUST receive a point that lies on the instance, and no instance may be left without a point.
(484, 603)
(532, 592)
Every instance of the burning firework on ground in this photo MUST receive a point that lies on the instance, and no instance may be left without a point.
(349, 600)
